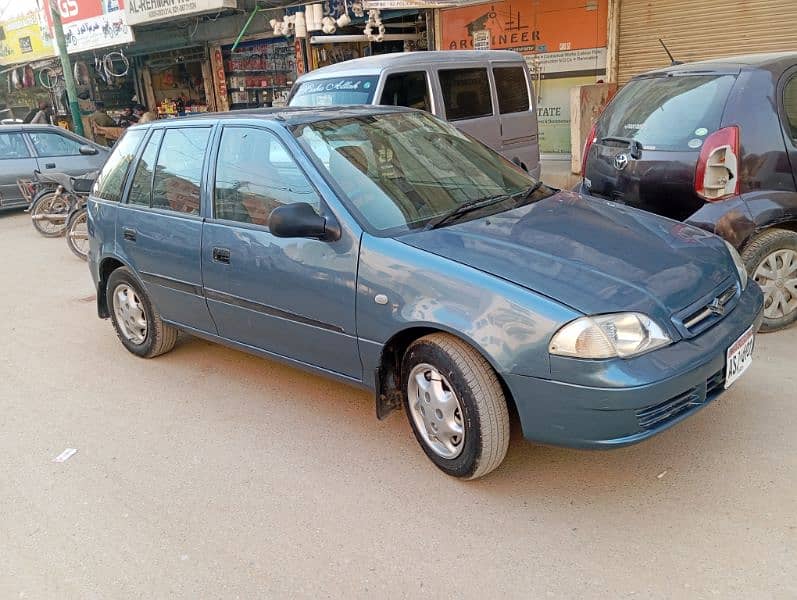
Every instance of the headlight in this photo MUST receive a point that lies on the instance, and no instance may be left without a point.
(606, 336)
(740, 266)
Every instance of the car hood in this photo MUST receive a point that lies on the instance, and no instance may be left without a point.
(589, 254)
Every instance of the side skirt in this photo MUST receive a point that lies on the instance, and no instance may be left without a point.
(271, 355)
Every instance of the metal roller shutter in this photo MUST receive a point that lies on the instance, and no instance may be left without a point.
(700, 29)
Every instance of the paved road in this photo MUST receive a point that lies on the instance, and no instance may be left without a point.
(208, 473)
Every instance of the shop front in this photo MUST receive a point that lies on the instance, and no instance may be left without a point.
(174, 82)
(563, 42)
(259, 73)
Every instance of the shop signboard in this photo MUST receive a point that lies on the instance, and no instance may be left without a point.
(416, 4)
(150, 11)
(553, 112)
(541, 26)
(93, 24)
(25, 38)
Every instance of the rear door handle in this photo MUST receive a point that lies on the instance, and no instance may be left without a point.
(129, 233)
(221, 255)
(49, 165)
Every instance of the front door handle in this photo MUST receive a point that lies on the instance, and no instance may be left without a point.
(221, 255)
(49, 165)
(129, 234)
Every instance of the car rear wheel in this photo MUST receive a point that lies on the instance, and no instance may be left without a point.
(455, 405)
(771, 260)
(136, 321)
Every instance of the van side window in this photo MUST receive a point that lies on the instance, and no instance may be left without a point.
(466, 93)
(510, 85)
(407, 89)
(112, 177)
(255, 173)
(790, 106)
(141, 188)
(178, 174)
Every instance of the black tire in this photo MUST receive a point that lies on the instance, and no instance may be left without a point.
(485, 417)
(755, 254)
(76, 219)
(42, 204)
(160, 337)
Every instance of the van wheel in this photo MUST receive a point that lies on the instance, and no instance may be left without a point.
(136, 321)
(771, 260)
(455, 405)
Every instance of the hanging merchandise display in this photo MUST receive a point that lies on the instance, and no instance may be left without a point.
(260, 73)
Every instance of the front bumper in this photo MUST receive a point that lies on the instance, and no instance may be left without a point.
(615, 415)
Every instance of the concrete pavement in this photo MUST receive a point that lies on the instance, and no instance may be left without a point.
(208, 473)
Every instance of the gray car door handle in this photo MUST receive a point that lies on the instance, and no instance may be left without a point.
(49, 165)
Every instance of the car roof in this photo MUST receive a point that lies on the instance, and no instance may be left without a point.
(771, 61)
(287, 116)
(373, 65)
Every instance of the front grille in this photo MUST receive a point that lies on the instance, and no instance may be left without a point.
(664, 412)
(697, 319)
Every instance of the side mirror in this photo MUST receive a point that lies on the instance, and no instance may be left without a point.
(300, 220)
(87, 150)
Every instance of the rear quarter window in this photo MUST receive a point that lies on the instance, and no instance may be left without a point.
(667, 113)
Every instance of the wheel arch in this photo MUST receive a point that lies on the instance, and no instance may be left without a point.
(388, 386)
(108, 265)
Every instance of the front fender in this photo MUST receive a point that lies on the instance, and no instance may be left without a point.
(400, 287)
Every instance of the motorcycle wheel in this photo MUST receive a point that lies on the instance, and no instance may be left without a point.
(77, 234)
(49, 203)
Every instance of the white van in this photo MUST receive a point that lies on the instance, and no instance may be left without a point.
(487, 94)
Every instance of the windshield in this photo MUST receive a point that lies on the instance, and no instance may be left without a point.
(401, 170)
(334, 91)
(667, 113)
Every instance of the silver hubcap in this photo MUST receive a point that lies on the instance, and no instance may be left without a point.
(129, 313)
(436, 411)
(79, 234)
(777, 276)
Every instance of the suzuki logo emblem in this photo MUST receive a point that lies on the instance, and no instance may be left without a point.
(717, 307)
(621, 161)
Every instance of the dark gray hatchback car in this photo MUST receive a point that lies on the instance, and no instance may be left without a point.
(713, 144)
(385, 248)
(45, 148)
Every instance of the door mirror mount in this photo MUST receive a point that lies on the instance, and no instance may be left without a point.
(300, 220)
(87, 150)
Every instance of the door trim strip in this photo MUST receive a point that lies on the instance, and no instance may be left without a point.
(268, 310)
(174, 284)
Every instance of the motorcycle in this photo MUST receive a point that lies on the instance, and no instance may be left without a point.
(52, 207)
(77, 233)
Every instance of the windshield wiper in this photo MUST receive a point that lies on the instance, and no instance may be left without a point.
(463, 209)
(530, 190)
(633, 145)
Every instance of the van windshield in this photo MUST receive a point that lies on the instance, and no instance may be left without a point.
(335, 91)
(400, 171)
(667, 113)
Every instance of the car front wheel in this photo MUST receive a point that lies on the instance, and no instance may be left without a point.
(771, 260)
(136, 321)
(455, 405)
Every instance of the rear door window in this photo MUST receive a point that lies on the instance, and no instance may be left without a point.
(407, 89)
(513, 93)
(178, 173)
(111, 179)
(12, 145)
(335, 91)
(790, 107)
(141, 187)
(667, 113)
(466, 93)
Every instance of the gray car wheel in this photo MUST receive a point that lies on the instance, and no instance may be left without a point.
(771, 260)
(456, 406)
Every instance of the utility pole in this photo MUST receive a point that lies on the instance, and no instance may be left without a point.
(69, 77)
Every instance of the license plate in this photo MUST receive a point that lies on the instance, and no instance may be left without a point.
(739, 357)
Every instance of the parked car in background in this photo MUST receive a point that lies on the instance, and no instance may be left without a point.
(487, 94)
(713, 144)
(385, 248)
(46, 148)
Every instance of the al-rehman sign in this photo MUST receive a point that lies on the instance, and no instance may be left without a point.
(148, 11)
